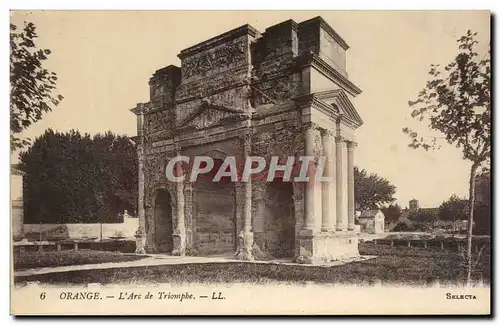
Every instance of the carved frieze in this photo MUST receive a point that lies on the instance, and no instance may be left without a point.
(209, 117)
(159, 121)
(154, 171)
(217, 83)
(277, 90)
(224, 55)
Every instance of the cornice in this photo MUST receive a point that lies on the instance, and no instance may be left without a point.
(347, 113)
(323, 67)
(312, 101)
(141, 108)
(217, 40)
(314, 60)
(214, 92)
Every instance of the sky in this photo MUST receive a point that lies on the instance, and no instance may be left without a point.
(104, 60)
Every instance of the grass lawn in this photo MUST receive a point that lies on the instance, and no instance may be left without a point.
(395, 265)
(30, 260)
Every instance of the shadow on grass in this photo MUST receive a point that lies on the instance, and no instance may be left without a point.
(394, 265)
(30, 260)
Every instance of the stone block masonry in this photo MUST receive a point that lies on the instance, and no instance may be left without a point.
(281, 92)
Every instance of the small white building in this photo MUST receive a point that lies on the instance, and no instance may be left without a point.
(372, 221)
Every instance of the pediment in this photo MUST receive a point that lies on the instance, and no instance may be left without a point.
(209, 114)
(338, 98)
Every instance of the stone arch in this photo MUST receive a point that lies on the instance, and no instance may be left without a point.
(163, 223)
(277, 226)
(215, 154)
(214, 212)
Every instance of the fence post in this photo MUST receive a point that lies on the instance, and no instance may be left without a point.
(409, 243)
(433, 282)
(442, 245)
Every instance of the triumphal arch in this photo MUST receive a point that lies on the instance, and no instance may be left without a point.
(281, 93)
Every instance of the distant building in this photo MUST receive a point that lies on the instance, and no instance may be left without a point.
(414, 205)
(17, 206)
(372, 221)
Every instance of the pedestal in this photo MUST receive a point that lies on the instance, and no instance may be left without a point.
(325, 247)
(140, 241)
(306, 247)
(245, 246)
(179, 238)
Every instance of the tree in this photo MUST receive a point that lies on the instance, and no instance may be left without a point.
(454, 209)
(32, 87)
(424, 218)
(456, 103)
(75, 178)
(391, 212)
(371, 190)
(482, 205)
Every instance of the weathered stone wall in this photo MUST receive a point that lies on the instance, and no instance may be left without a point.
(237, 82)
(214, 229)
(274, 226)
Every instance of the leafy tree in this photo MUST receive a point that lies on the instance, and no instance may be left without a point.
(391, 212)
(75, 178)
(424, 218)
(482, 205)
(456, 102)
(371, 190)
(32, 87)
(454, 209)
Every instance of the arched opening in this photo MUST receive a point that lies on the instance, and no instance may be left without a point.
(214, 219)
(279, 219)
(163, 221)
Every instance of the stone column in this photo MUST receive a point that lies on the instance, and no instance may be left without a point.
(306, 236)
(179, 234)
(339, 144)
(350, 185)
(328, 201)
(188, 212)
(309, 206)
(245, 237)
(140, 234)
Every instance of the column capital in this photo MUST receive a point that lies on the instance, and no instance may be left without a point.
(246, 137)
(309, 126)
(340, 139)
(327, 133)
(351, 145)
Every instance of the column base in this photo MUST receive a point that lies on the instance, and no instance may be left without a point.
(245, 246)
(179, 239)
(324, 247)
(140, 242)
